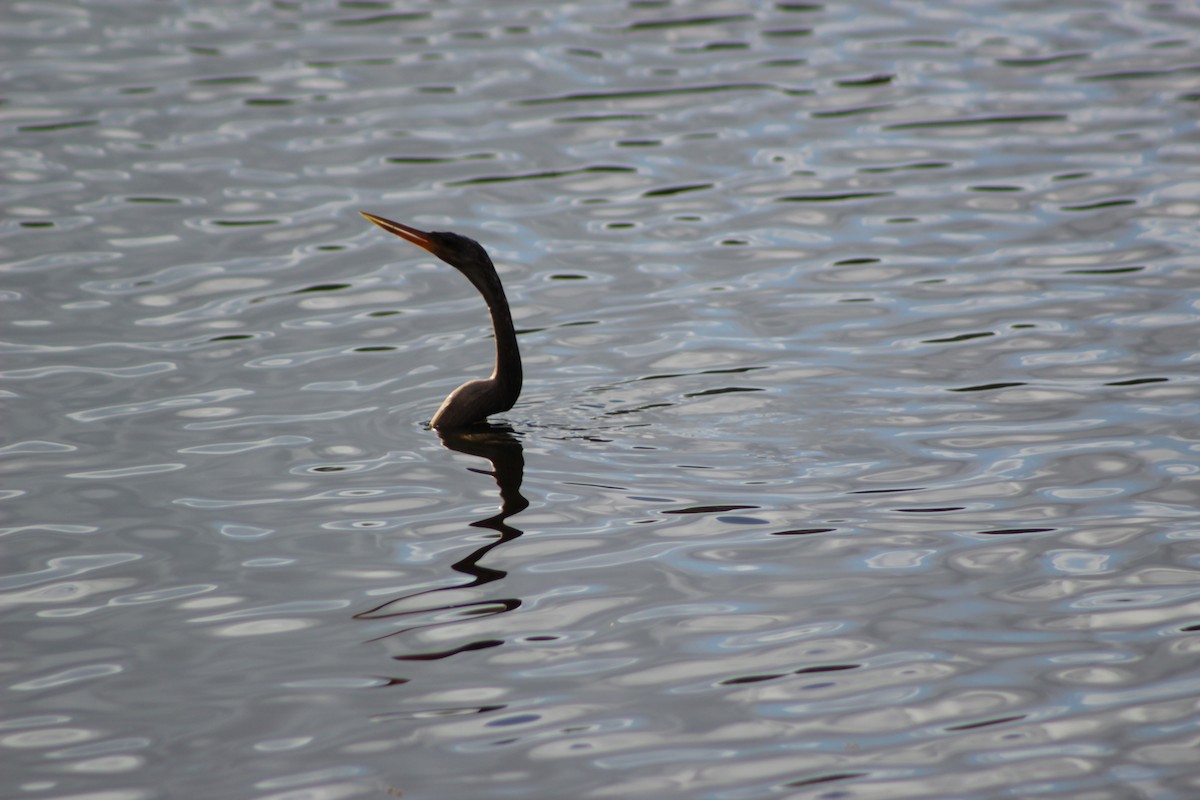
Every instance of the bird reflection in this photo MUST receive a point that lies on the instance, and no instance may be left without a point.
(503, 450)
(499, 446)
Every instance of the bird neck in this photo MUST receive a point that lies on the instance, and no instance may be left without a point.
(507, 373)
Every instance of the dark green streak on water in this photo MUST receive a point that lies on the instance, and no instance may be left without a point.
(438, 159)
(686, 22)
(987, 387)
(633, 94)
(673, 190)
(962, 123)
(831, 198)
(1137, 381)
(728, 371)
(224, 81)
(898, 167)
(1121, 201)
(728, 390)
(322, 287)
(534, 176)
(873, 80)
(849, 112)
(1104, 271)
(962, 337)
(1139, 74)
(57, 126)
(382, 19)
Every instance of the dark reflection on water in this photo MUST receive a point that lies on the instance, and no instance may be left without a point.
(857, 456)
(503, 450)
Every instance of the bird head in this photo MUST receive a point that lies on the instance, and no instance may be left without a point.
(464, 254)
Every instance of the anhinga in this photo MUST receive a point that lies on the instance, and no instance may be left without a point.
(474, 400)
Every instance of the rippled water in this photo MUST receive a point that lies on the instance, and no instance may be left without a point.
(858, 451)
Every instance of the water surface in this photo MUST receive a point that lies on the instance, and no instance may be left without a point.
(857, 454)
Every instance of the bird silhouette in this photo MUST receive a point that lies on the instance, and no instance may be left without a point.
(475, 400)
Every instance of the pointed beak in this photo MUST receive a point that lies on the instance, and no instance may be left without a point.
(418, 237)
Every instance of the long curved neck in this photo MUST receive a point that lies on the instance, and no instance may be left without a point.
(507, 373)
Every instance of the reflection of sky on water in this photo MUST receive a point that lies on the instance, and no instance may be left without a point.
(855, 454)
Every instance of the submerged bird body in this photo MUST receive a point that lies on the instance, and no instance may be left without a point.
(474, 400)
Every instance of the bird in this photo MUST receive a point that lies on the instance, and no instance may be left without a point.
(475, 400)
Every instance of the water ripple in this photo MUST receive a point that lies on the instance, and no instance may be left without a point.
(857, 412)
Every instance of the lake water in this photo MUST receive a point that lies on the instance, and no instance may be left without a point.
(858, 453)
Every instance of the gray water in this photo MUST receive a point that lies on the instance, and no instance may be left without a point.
(858, 451)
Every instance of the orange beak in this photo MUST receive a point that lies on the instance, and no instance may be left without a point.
(418, 237)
